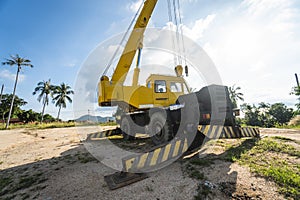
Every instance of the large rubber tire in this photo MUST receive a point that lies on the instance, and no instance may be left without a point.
(127, 129)
(159, 129)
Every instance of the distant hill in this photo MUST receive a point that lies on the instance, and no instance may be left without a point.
(91, 118)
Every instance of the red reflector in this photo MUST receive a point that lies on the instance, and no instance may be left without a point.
(206, 116)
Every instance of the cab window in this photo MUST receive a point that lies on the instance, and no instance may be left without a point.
(149, 84)
(160, 86)
(175, 87)
(185, 89)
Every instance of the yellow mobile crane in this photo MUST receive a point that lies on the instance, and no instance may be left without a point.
(164, 108)
(149, 106)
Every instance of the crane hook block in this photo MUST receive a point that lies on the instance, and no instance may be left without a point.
(178, 70)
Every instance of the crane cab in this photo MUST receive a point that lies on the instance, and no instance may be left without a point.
(159, 91)
(166, 89)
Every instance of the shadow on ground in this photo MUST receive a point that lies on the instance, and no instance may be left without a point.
(34, 180)
(29, 180)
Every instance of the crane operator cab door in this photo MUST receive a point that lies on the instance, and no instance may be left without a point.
(161, 96)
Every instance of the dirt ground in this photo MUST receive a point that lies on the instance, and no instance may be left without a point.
(53, 164)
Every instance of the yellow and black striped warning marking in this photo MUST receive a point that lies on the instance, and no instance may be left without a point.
(230, 132)
(249, 132)
(216, 131)
(97, 136)
(169, 152)
(104, 134)
(211, 131)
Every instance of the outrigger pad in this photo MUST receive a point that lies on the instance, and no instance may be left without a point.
(121, 179)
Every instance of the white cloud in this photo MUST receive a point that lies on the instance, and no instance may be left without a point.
(278, 14)
(5, 74)
(254, 45)
(134, 6)
(113, 48)
(196, 31)
(200, 25)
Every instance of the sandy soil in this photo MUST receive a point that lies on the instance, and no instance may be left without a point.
(63, 169)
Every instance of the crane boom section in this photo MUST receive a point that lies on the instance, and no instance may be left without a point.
(133, 43)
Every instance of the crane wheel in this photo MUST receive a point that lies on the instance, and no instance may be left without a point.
(159, 129)
(127, 129)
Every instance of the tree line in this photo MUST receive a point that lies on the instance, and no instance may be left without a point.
(264, 114)
(267, 115)
(60, 95)
(25, 116)
(10, 104)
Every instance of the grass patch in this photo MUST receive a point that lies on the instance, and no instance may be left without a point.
(275, 146)
(274, 158)
(202, 191)
(56, 125)
(197, 175)
(267, 158)
(193, 172)
(73, 158)
(9, 197)
(283, 138)
(96, 123)
(9, 185)
(4, 182)
(233, 153)
(38, 188)
(285, 176)
(39, 125)
(25, 196)
(28, 181)
(70, 159)
(108, 124)
(289, 127)
(85, 158)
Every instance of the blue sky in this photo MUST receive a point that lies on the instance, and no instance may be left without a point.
(254, 44)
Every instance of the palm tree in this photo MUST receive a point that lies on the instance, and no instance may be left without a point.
(15, 60)
(45, 88)
(235, 95)
(61, 94)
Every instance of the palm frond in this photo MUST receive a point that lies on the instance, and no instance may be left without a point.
(61, 95)
(8, 62)
(17, 60)
(40, 97)
(69, 99)
(70, 92)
